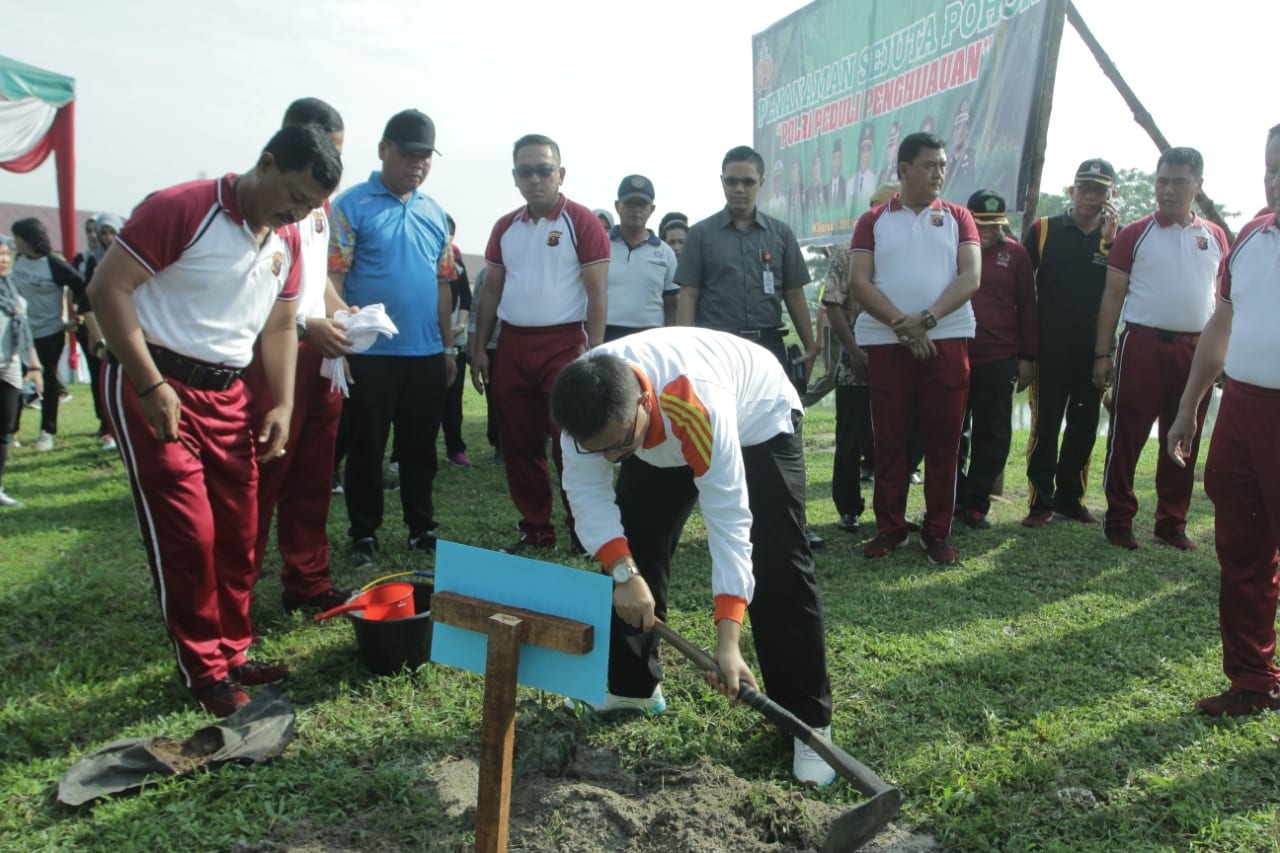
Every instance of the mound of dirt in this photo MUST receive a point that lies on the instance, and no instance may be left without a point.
(595, 805)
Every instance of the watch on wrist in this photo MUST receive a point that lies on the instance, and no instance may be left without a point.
(929, 320)
(301, 325)
(622, 572)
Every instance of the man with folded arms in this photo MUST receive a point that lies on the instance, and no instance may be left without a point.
(915, 264)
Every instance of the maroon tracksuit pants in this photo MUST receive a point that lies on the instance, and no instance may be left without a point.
(197, 509)
(1150, 375)
(297, 488)
(1242, 478)
(936, 389)
(529, 360)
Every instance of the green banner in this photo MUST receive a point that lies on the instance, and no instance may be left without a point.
(840, 82)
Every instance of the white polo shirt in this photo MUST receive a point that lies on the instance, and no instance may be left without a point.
(1173, 270)
(712, 394)
(212, 286)
(543, 260)
(1251, 284)
(916, 257)
(638, 280)
(314, 235)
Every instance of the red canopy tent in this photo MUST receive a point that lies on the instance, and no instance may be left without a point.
(37, 118)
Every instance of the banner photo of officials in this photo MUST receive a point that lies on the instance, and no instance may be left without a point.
(838, 84)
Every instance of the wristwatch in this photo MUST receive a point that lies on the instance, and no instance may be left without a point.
(301, 325)
(622, 572)
(929, 320)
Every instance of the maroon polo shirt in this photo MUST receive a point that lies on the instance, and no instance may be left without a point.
(1005, 306)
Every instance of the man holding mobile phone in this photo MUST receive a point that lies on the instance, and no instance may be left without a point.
(1069, 252)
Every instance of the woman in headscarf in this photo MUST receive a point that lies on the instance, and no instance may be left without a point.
(18, 361)
(43, 280)
(93, 249)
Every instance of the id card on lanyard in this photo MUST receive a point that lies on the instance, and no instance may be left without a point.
(766, 258)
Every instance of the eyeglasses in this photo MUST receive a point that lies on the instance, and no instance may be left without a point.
(731, 182)
(543, 171)
(621, 446)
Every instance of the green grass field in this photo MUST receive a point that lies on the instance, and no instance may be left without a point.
(1045, 661)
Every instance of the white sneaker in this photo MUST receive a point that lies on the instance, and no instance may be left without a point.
(44, 443)
(652, 706)
(809, 767)
(108, 443)
(5, 500)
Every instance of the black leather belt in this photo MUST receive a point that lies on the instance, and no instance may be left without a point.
(759, 334)
(188, 371)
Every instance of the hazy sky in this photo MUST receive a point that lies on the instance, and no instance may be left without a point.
(167, 90)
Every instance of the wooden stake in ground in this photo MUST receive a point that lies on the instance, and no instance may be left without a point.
(508, 628)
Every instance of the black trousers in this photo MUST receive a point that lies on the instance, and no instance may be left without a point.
(786, 610)
(491, 410)
(853, 431)
(1056, 478)
(452, 421)
(988, 419)
(95, 367)
(49, 350)
(408, 391)
(10, 409)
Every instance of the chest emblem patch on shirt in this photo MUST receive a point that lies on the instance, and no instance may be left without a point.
(1002, 259)
(935, 220)
(277, 263)
(1202, 243)
(317, 221)
(553, 239)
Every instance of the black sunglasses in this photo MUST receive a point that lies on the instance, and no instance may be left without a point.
(543, 171)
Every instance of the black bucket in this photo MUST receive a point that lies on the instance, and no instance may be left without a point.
(388, 645)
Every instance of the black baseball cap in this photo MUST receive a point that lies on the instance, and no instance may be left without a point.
(1097, 170)
(636, 186)
(412, 131)
(988, 208)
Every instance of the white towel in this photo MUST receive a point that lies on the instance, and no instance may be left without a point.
(363, 329)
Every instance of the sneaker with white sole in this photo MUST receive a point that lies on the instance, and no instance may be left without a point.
(613, 704)
(808, 766)
(5, 500)
(44, 443)
(107, 443)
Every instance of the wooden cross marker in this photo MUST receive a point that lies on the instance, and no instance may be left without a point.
(508, 628)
